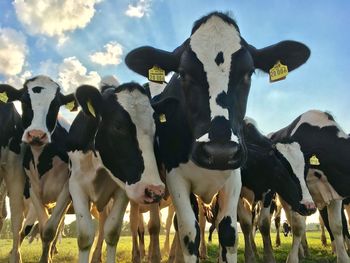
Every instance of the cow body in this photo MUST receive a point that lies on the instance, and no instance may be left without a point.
(204, 105)
(326, 149)
(112, 159)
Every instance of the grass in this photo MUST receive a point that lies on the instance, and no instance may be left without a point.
(68, 250)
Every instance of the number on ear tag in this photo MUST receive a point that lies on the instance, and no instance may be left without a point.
(156, 74)
(91, 108)
(278, 72)
(3, 97)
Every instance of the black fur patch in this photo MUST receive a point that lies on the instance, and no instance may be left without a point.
(26, 191)
(227, 235)
(27, 230)
(219, 58)
(193, 246)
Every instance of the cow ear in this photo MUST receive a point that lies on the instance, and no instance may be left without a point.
(69, 102)
(142, 59)
(290, 53)
(90, 100)
(9, 93)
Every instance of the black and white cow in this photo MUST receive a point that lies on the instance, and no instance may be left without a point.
(45, 159)
(201, 113)
(11, 170)
(111, 149)
(326, 149)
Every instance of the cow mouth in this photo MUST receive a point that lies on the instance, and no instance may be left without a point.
(217, 156)
(36, 142)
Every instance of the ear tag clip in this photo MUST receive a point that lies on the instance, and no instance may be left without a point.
(70, 105)
(314, 160)
(91, 108)
(156, 74)
(278, 72)
(162, 118)
(3, 97)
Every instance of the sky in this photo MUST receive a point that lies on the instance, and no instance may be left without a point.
(78, 42)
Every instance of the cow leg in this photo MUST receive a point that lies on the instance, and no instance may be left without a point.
(141, 233)
(3, 211)
(154, 230)
(51, 227)
(29, 221)
(335, 222)
(188, 228)
(323, 233)
(278, 225)
(226, 221)
(168, 223)
(97, 255)
(211, 230)
(245, 220)
(85, 226)
(114, 223)
(305, 245)
(298, 225)
(14, 179)
(171, 258)
(264, 224)
(202, 222)
(134, 222)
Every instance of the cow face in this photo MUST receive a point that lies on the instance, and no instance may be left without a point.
(41, 99)
(215, 66)
(124, 137)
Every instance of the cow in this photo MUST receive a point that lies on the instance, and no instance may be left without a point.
(200, 117)
(269, 168)
(111, 149)
(45, 160)
(11, 170)
(326, 149)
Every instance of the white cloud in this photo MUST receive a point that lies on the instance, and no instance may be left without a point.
(112, 55)
(72, 73)
(17, 81)
(13, 50)
(142, 7)
(54, 17)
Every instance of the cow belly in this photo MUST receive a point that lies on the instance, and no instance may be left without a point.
(204, 183)
(321, 190)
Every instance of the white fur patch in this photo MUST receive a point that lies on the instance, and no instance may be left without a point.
(212, 37)
(319, 119)
(295, 157)
(141, 113)
(41, 102)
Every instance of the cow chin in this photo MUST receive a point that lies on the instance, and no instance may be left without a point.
(217, 156)
(143, 193)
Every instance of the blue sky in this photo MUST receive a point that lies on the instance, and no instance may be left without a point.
(81, 41)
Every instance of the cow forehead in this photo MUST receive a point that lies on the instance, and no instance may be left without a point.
(214, 43)
(43, 88)
(42, 81)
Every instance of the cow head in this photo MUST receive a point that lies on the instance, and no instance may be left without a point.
(214, 66)
(124, 137)
(282, 166)
(41, 99)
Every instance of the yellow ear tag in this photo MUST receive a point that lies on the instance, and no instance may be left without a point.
(156, 74)
(278, 72)
(3, 97)
(91, 108)
(314, 160)
(70, 105)
(162, 118)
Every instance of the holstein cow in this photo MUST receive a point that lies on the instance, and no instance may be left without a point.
(111, 148)
(269, 168)
(11, 170)
(200, 116)
(326, 149)
(45, 159)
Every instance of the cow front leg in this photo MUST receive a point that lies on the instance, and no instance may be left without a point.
(141, 233)
(168, 223)
(134, 223)
(154, 230)
(264, 224)
(114, 223)
(226, 223)
(245, 221)
(202, 223)
(51, 227)
(187, 225)
(97, 254)
(335, 223)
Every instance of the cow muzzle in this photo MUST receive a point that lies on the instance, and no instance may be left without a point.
(142, 193)
(217, 155)
(307, 208)
(36, 138)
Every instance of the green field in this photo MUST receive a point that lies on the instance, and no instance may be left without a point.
(68, 250)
